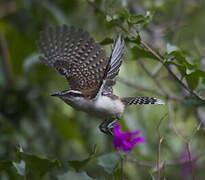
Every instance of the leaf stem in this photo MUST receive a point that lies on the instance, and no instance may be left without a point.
(190, 160)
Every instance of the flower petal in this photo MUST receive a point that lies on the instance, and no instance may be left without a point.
(126, 141)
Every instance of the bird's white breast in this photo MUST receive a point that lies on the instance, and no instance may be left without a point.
(102, 106)
(112, 106)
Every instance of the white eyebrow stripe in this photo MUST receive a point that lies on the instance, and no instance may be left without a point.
(75, 91)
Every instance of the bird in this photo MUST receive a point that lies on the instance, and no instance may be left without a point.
(90, 73)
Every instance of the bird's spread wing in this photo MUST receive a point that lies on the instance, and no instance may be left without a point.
(141, 100)
(75, 55)
(115, 62)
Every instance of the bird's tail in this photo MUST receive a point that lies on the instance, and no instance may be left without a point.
(141, 100)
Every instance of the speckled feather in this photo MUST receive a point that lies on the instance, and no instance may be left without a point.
(75, 55)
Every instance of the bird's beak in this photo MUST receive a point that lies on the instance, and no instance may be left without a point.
(55, 94)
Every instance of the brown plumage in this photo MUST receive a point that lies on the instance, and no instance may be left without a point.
(75, 55)
(91, 75)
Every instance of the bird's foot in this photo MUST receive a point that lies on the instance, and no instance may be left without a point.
(107, 126)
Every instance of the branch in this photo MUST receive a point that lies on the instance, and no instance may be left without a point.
(157, 56)
(95, 6)
(200, 117)
(159, 158)
(151, 90)
(153, 78)
(161, 60)
(6, 63)
(166, 164)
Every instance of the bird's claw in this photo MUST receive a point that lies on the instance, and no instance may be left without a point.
(107, 126)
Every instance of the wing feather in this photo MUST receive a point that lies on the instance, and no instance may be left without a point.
(114, 65)
(75, 55)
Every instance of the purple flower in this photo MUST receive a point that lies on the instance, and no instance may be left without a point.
(125, 141)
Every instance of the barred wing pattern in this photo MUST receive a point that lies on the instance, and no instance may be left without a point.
(75, 55)
(141, 100)
(115, 62)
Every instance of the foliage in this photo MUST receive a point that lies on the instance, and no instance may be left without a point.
(42, 138)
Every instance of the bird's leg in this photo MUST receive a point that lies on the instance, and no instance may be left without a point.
(107, 126)
(104, 126)
(110, 126)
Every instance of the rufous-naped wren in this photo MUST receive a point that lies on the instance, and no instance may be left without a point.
(90, 73)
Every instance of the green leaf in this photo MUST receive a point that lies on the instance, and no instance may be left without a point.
(181, 59)
(77, 164)
(171, 48)
(39, 166)
(179, 56)
(111, 18)
(124, 13)
(140, 19)
(119, 17)
(194, 76)
(193, 101)
(20, 167)
(136, 19)
(136, 40)
(192, 80)
(74, 176)
(201, 84)
(124, 16)
(109, 161)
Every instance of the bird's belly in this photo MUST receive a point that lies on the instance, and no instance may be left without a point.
(102, 107)
(109, 107)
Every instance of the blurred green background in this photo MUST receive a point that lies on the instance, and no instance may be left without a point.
(43, 138)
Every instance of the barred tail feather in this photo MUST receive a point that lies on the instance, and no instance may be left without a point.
(141, 100)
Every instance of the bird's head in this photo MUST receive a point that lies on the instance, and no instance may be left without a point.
(68, 95)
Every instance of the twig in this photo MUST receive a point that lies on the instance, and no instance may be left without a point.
(153, 78)
(200, 117)
(159, 164)
(190, 160)
(140, 88)
(141, 163)
(160, 59)
(172, 116)
(157, 56)
(157, 70)
(94, 6)
(166, 164)
(151, 90)
(159, 158)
